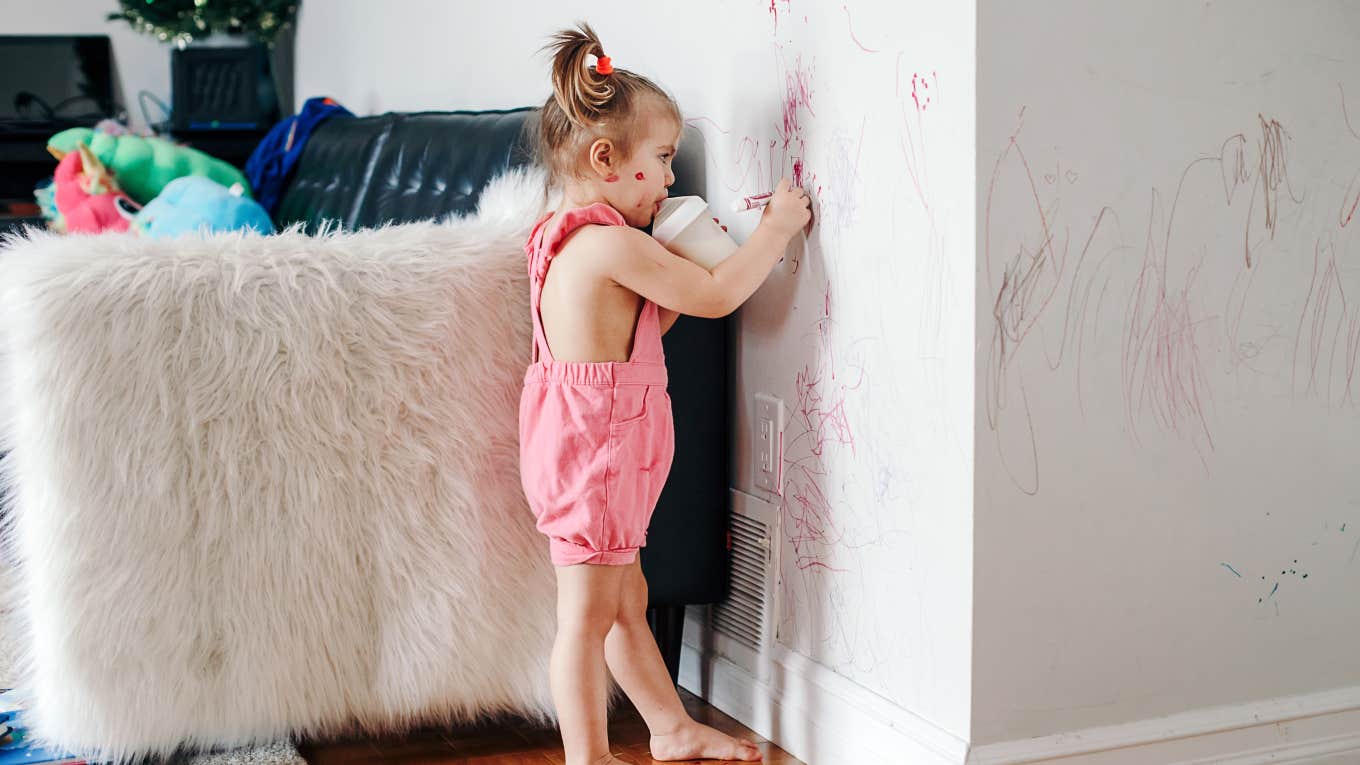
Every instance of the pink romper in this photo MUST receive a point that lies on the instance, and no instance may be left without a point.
(596, 437)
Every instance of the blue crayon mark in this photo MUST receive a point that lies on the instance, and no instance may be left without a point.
(1230, 568)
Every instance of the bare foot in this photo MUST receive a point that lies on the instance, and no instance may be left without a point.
(696, 741)
(609, 759)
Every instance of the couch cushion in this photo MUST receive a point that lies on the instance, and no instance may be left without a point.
(270, 484)
(402, 167)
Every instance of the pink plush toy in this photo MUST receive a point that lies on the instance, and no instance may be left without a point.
(87, 196)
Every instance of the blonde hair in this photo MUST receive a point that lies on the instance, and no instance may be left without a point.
(586, 105)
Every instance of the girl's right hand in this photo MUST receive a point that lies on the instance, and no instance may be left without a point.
(788, 209)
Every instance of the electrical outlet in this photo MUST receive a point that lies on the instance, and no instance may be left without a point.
(768, 443)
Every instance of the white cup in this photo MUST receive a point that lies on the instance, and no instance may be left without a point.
(685, 226)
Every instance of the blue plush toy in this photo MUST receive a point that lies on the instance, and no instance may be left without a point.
(195, 203)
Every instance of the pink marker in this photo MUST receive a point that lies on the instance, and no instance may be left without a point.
(760, 200)
(752, 202)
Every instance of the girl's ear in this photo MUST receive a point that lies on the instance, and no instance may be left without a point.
(602, 158)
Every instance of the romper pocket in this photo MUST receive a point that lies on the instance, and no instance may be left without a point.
(640, 450)
(630, 404)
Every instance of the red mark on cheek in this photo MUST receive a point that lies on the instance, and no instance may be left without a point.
(611, 178)
(640, 176)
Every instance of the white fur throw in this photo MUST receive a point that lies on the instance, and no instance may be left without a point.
(269, 485)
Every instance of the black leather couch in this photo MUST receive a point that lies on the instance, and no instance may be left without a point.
(366, 171)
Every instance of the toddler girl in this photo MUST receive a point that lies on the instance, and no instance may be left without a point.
(596, 435)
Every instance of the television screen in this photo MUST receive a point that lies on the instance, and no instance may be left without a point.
(50, 78)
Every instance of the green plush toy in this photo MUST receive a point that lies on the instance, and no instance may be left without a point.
(144, 165)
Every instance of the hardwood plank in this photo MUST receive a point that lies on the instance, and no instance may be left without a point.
(511, 741)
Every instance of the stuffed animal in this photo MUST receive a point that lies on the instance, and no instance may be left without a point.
(87, 198)
(195, 203)
(144, 165)
(112, 126)
(45, 194)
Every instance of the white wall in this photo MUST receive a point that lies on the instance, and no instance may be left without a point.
(141, 62)
(1159, 470)
(864, 333)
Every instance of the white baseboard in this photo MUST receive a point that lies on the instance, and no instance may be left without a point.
(811, 712)
(1313, 728)
(822, 718)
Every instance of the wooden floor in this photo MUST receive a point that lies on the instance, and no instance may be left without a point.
(515, 744)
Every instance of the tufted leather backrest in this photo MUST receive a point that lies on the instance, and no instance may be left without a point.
(400, 167)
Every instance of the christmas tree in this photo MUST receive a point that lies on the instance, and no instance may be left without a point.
(180, 21)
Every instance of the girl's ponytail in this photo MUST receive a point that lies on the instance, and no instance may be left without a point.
(590, 102)
(581, 91)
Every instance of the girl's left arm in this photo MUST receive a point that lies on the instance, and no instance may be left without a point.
(667, 317)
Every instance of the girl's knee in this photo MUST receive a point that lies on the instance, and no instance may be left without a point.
(587, 612)
(587, 631)
(633, 599)
(588, 608)
(632, 617)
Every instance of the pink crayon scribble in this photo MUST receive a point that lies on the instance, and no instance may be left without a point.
(1271, 173)
(1328, 324)
(747, 168)
(797, 96)
(1350, 199)
(1035, 276)
(851, 27)
(774, 11)
(820, 423)
(932, 308)
(747, 160)
(920, 94)
(913, 146)
(695, 121)
(1162, 376)
(797, 101)
(760, 162)
(811, 523)
(1236, 171)
(1232, 165)
(1346, 115)
(740, 168)
(1161, 365)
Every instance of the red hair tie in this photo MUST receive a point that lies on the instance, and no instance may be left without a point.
(603, 66)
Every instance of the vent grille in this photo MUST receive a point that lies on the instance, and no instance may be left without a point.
(742, 615)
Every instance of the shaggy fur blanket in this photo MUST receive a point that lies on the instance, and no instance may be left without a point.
(269, 485)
